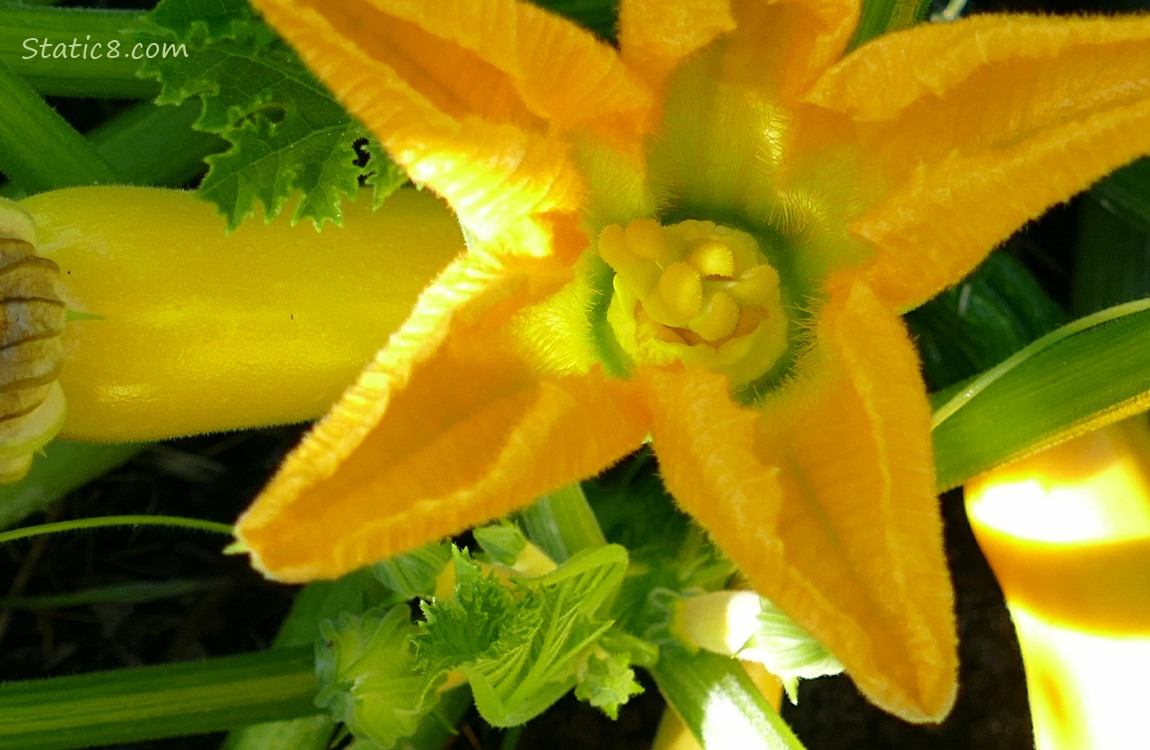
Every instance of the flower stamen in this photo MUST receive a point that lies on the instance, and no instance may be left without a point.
(695, 291)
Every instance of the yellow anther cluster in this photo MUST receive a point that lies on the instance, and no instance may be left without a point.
(695, 291)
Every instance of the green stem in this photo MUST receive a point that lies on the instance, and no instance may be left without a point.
(562, 523)
(719, 703)
(87, 52)
(152, 145)
(86, 524)
(172, 700)
(38, 148)
(315, 603)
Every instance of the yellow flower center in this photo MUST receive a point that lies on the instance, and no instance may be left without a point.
(697, 292)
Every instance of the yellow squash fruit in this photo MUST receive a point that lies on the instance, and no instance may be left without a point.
(178, 328)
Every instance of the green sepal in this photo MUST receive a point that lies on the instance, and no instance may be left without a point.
(880, 17)
(787, 651)
(600, 278)
(413, 574)
(368, 678)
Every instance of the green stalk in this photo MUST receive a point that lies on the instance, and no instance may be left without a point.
(152, 145)
(38, 149)
(562, 523)
(315, 603)
(172, 700)
(719, 703)
(72, 64)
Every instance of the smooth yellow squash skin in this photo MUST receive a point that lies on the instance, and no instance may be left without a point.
(199, 331)
(1068, 534)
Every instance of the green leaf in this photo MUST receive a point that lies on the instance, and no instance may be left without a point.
(1083, 375)
(216, 20)
(998, 309)
(1127, 192)
(413, 574)
(368, 677)
(606, 679)
(520, 647)
(501, 542)
(289, 138)
(1111, 254)
(880, 17)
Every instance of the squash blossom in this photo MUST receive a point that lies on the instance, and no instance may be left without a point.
(703, 237)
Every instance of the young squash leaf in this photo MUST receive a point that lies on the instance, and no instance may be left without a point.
(288, 136)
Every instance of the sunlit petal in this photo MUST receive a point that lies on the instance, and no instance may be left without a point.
(825, 500)
(965, 131)
(425, 446)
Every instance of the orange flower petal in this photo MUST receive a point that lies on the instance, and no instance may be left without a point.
(655, 35)
(965, 131)
(782, 46)
(826, 501)
(423, 447)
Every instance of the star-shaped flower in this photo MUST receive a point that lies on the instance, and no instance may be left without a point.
(704, 236)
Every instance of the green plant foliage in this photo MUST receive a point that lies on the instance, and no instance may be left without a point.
(1077, 378)
(607, 681)
(368, 676)
(413, 574)
(289, 138)
(521, 646)
(501, 542)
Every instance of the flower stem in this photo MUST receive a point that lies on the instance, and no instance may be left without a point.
(84, 524)
(65, 69)
(146, 703)
(562, 523)
(719, 702)
(40, 150)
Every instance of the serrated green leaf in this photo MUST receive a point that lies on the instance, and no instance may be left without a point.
(1086, 374)
(607, 682)
(368, 681)
(472, 623)
(290, 140)
(215, 19)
